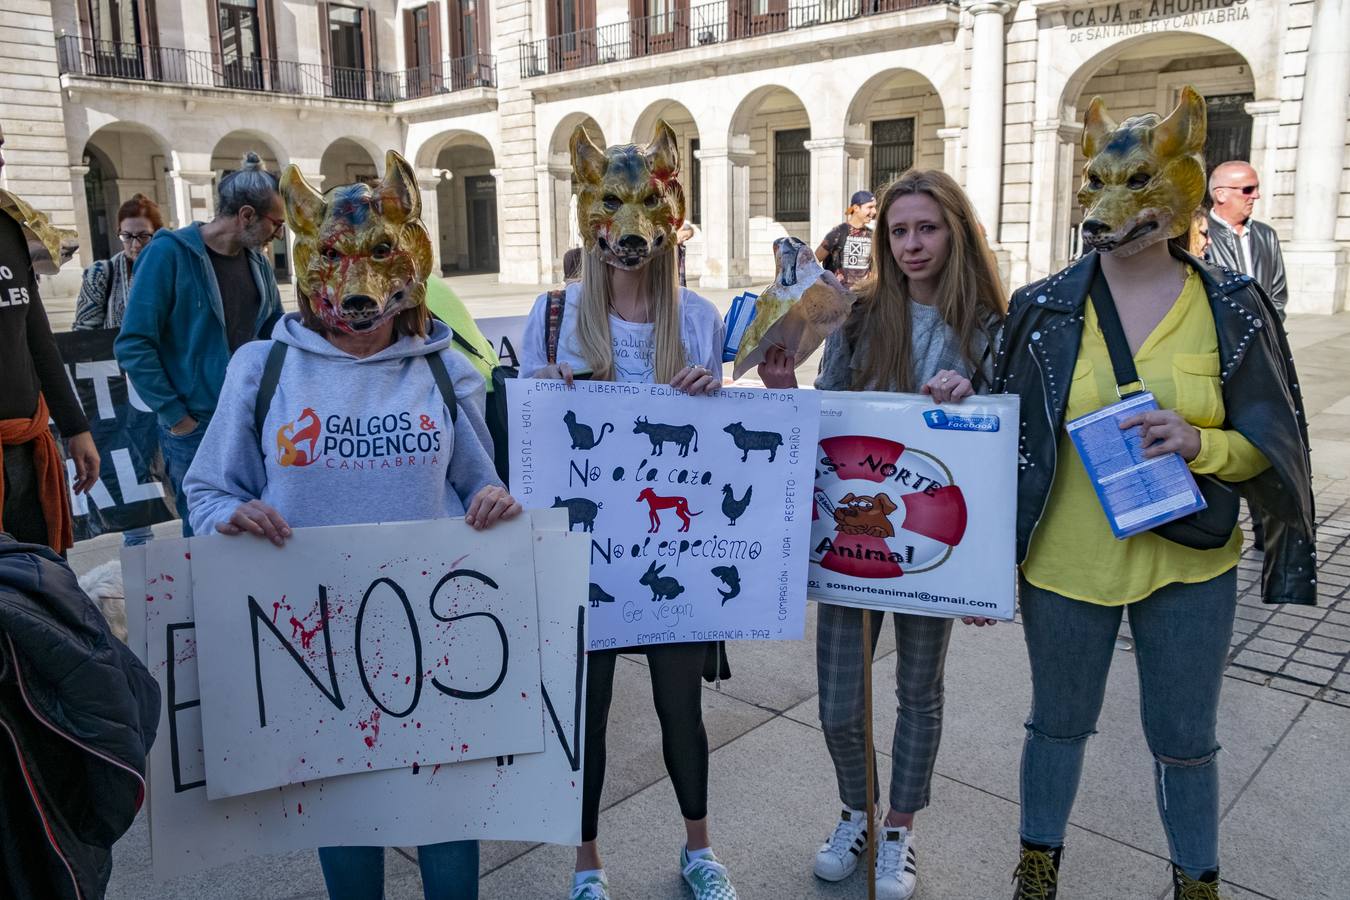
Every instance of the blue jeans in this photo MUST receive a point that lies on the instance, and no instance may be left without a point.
(449, 871)
(1181, 634)
(179, 450)
(134, 537)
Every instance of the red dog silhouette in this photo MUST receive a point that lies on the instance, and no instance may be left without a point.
(655, 503)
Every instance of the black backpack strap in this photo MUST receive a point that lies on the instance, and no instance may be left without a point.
(447, 388)
(1122, 360)
(267, 385)
(466, 346)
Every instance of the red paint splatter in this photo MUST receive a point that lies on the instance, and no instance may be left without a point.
(149, 598)
(416, 768)
(463, 748)
(373, 723)
(455, 564)
(300, 809)
(306, 635)
(168, 578)
(187, 556)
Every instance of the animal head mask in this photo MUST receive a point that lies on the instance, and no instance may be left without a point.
(629, 199)
(362, 254)
(1143, 177)
(49, 247)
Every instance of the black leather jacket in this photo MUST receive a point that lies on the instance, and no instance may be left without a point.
(1260, 393)
(1266, 264)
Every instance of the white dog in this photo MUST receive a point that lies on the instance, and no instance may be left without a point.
(103, 584)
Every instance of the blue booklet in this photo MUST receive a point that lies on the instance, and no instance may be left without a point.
(1136, 493)
(738, 318)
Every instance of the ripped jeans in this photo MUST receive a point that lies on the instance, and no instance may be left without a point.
(1181, 634)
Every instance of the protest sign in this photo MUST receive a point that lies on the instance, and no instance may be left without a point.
(130, 491)
(505, 333)
(534, 797)
(363, 647)
(696, 507)
(915, 504)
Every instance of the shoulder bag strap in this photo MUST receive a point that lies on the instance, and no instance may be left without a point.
(557, 302)
(1122, 361)
(447, 388)
(466, 346)
(267, 386)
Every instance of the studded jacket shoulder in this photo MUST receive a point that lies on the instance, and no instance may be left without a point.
(1260, 392)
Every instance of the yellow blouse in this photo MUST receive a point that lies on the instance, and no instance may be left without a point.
(1073, 551)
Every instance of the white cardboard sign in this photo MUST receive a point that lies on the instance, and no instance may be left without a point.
(365, 647)
(916, 504)
(697, 508)
(534, 797)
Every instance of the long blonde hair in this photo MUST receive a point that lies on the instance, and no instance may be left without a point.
(969, 290)
(660, 284)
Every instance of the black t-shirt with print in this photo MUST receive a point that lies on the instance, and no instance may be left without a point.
(29, 360)
(850, 252)
(238, 296)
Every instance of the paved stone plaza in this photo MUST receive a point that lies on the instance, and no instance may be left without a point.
(1284, 726)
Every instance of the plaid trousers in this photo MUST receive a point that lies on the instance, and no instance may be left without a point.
(921, 656)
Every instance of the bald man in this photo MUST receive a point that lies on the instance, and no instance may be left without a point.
(1236, 239)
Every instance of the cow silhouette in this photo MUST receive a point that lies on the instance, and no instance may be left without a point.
(680, 435)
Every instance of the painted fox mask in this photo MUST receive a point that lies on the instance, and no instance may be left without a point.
(1144, 177)
(362, 254)
(629, 200)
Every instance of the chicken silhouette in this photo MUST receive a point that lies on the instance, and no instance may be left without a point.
(732, 508)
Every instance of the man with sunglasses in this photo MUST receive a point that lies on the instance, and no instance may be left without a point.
(199, 294)
(1236, 239)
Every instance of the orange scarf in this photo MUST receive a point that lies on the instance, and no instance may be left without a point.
(51, 473)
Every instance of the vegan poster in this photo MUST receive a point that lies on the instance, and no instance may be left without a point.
(915, 504)
(697, 508)
(365, 647)
(534, 797)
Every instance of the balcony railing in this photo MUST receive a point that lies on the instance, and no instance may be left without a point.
(201, 68)
(708, 23)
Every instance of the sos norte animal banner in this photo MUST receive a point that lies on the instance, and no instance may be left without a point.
(915, 504)
(696, 507)
(533, 797)
(130, 491)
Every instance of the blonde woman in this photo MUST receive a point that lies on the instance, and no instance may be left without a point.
(628, 319)
(925, 320)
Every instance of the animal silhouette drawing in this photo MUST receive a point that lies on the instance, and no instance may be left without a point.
(732, 508)
(680, 435)
(731, 577)
(580, 511)
(599, 596)
(747, 440)
(657, 503)
(663, 586)
(583, 436)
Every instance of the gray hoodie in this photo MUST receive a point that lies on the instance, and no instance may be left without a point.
(346, 440)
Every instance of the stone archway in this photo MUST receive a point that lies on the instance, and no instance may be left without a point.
(122, 159)
(772, 126)
(226, 156)
(687, 138)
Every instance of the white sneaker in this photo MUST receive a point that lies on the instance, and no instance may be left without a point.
(838, 857)
(896, 874)
(593, 887)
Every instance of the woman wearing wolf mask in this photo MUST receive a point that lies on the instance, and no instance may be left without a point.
(1208, 344)
(362, 349)
(629, 320)
(925, 319)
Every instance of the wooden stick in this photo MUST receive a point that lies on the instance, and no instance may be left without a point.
(871, 760)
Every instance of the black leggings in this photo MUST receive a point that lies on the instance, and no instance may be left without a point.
(677, 686)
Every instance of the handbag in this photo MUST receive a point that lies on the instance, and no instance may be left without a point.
(1204, 529)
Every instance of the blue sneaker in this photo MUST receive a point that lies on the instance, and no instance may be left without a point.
(706, 877)
(592, 887)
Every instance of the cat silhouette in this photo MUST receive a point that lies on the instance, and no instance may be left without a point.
(583, 436)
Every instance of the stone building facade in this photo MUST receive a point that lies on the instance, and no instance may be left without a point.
(782, 108)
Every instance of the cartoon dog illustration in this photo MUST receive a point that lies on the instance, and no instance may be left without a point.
(289, 439)
(680, 435)
(656, 503)
(731, 577)
(663, 586)
(746, 440)
(362, 253)
(865, 515)
(1144, 176)
(629, 200)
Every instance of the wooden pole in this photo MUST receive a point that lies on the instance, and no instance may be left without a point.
(871, 756)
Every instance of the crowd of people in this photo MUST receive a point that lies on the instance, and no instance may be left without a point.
(1198, 297)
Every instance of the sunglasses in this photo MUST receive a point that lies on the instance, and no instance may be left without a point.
(140, 237)
(1247, 189)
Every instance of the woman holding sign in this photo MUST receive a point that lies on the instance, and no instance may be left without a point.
(628, 319)
(926, 319)
(1174, 363)
(310, 423)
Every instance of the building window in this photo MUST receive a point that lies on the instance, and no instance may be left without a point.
(420, 50)
(792, 175)
(466, 23)
(695, 169)
(892, 150)
(240, 48)
(346, 51)
(1228, 134)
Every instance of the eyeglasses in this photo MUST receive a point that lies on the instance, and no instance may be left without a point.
(140, 237)
(277, 224)
(1247, 189)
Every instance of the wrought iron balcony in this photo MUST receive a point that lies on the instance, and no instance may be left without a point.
(696, 26)
(200, 68)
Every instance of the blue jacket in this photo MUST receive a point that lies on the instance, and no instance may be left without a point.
(173, 342)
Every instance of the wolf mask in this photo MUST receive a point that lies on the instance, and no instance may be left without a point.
(629, 201)
(1144, 177)
(362, 254)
